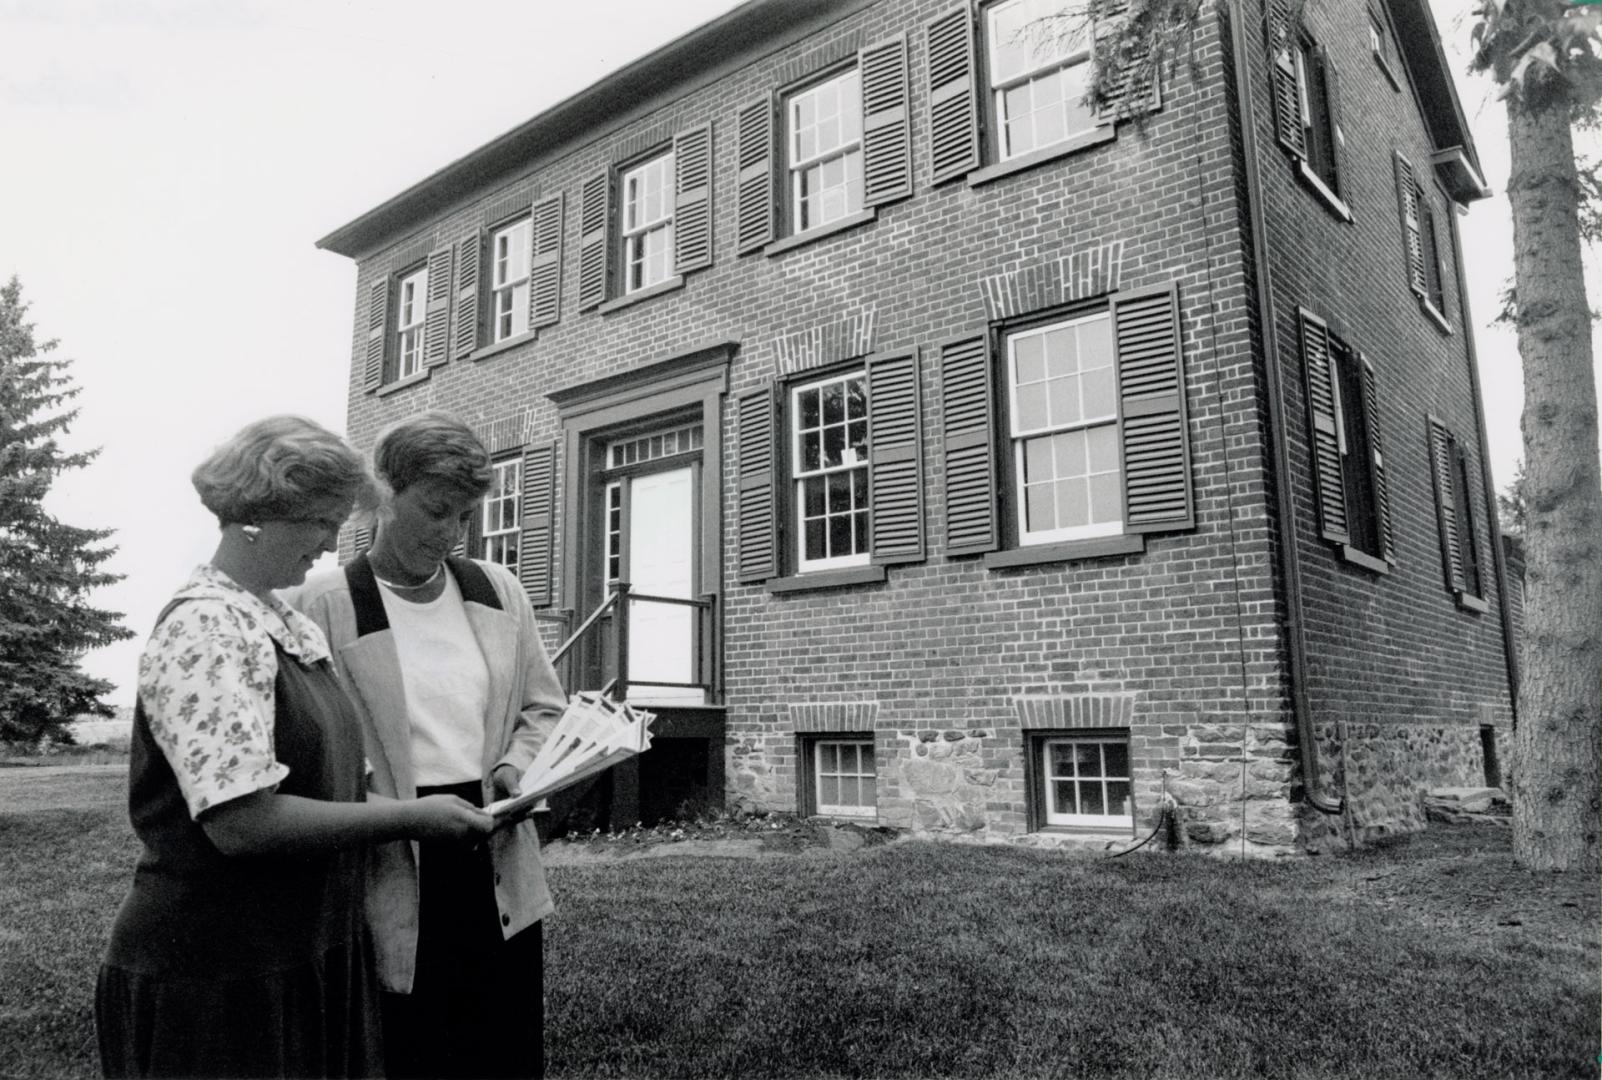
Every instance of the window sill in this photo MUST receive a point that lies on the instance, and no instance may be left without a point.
(1132, 544)
(1470, 602)
(1104, 134)
(502, 346)
(401, 384)
(1434, 315)
(1317, 186)
(1361, 558)
(1089, 832)
(1396, 83)
(827, 579)
(666, 285)
(851, 221)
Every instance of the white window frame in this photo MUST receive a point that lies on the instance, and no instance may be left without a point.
(411, 322)
(851, 462)
(869, 778)
(1019, 436)
(648, 223)
(498, 541)
(1043, 68)
(612, 547)
(844, 90)
(1050, 816)
(510, 252)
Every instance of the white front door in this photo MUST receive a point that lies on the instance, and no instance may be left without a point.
(661, 547)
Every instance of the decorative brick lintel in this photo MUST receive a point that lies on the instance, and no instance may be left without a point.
(505, 433)
(1091, 271)
(834, 716)
(1075, 711)
(828, 343)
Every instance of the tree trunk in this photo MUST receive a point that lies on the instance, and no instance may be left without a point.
(1557, 770)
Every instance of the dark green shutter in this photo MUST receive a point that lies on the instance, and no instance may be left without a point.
(886, 128)
(437, 327)
(535, 544)
(1441, 447)
(967, 445)
(469, 303)
(953, 96)
(754, 212)
(375, 368)
(545, 263)
(895, 458)
(692, 200)
(758, 487)
(1282, 62)
(595, 213)
(1407, 202)
(1376, 450)
(1323, 433)
(1151, 391)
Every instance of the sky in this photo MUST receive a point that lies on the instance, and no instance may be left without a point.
(167, 165)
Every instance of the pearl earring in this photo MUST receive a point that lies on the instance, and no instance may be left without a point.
(251, 532)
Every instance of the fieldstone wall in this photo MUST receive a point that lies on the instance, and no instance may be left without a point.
(1385, 769)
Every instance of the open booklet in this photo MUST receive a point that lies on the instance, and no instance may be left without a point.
(593, 734)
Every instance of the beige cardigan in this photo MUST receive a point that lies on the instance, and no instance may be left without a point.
(526, 701)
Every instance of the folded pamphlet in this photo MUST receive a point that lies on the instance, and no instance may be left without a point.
(593, 734)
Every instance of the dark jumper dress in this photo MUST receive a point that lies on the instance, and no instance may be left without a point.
(242, 966)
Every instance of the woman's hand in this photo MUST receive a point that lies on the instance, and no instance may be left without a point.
(446, 817)
(505, 780)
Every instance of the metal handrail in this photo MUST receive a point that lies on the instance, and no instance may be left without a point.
(618, 602)
(572, 638)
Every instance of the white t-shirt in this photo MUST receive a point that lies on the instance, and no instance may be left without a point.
(446, 683)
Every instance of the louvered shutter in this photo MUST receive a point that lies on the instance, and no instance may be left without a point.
(595, 214)
(376, 365)
(895, 458)
(545, 263)
(437, 327)
(953, 96)
(1151, 391)
(1376, 450)
(469, 304)
(692, 200)
(758, 480)
(1332, 94)
(361, 539)
(1326, 439)
(886, 127)
(1141, 91)
(1441, 447)
(1282, 62)
(754, 214)
(967, 446)
(534, 546)
(1407, 204)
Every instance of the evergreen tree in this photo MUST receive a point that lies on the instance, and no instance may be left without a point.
(47, 568)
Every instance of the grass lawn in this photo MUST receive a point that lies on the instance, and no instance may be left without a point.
(1435, 957)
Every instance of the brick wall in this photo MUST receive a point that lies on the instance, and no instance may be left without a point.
(1185, 634)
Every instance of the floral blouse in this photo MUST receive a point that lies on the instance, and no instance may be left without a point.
(206, 681)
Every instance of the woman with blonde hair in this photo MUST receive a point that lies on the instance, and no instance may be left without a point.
(240, 949)
(456, 696)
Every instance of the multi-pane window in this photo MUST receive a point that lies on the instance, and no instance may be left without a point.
(648, 223)
(1086, 782)
(1317, 120)
(843, 777)
(1063, 412)
(411, 304)
(1038, 54)
(823, 139)
(829, 468)
(612, 547)
(500, 524)
(658, 444)
(509, 261)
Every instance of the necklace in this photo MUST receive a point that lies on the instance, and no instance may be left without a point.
(438, 570)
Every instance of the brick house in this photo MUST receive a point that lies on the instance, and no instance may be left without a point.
(930, 450)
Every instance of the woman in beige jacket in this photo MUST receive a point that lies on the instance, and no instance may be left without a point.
(455, 695)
